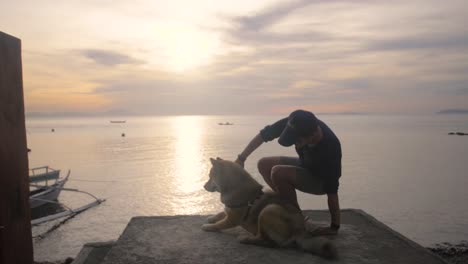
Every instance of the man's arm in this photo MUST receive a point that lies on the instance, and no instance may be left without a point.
(334, 208)
(331, 185)
(266, 134)
(251, 147)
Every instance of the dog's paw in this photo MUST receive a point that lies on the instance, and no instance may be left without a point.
(209, 228)
(212, 219)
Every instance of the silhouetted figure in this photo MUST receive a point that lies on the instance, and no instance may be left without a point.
(317, 168)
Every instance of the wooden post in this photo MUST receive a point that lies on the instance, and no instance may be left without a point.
(15, 216)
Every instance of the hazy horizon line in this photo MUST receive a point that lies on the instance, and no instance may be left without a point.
(121, 114)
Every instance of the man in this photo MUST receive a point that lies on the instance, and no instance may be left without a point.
(317, 169)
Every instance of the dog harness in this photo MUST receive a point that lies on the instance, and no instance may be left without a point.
(251, 203)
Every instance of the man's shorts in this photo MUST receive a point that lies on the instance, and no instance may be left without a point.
(306, 180)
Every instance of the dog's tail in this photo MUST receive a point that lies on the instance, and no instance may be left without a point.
(274, 225)
(317, 245)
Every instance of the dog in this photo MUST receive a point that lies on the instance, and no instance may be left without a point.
(270, 220)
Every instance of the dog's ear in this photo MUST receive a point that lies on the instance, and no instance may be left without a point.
(213, 161)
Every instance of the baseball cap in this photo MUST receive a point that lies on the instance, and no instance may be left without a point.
(300, 123)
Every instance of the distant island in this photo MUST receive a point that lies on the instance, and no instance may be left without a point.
(453, 111)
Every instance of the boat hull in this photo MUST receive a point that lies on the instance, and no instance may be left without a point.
(46, 194)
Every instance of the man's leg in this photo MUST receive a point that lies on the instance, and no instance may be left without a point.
(264, 167)
(287, 178)
(308, 182)
(266, 164)
(284, 181)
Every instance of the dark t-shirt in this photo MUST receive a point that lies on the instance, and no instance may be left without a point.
(323, 159)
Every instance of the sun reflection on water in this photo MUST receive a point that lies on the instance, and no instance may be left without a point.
(189, 166)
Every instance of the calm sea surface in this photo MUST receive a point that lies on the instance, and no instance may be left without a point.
(404, 170)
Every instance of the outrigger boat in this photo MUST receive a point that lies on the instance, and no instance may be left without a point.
(45, 193)
(40, 194)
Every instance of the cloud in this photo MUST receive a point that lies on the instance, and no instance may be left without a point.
(357, 51)
(269, 16)
(157, 96)
(108, 58)
(429, 40)
(256, 29)
(315, 53)
(374, 56)
(462, 90)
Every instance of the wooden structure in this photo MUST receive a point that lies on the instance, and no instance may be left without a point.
(15, 219)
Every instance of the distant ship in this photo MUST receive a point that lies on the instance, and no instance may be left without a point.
(226, 124)
(118, 121)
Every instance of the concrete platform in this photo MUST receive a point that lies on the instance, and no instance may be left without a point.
(93, 253)
(179, 239)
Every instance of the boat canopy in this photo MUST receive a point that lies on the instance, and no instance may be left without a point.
(51, 175)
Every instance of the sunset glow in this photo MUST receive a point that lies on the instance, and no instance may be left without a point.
(242, 57)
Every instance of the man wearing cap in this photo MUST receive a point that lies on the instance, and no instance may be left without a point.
(317, 169)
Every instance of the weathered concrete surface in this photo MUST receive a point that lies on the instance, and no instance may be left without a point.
(93, 253)
(179, 239)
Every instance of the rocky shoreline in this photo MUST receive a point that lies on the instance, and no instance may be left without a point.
(452, 253)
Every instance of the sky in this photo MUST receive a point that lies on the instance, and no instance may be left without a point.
(241, 57)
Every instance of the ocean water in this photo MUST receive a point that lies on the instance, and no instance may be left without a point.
(404, 170)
